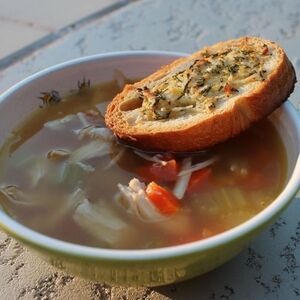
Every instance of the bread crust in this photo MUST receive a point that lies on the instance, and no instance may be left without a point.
(247, 109)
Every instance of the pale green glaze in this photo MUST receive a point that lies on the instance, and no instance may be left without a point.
(140, 267)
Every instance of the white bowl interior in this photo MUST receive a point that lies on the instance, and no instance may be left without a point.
(15, 104)
(282, 120)
(20, 100)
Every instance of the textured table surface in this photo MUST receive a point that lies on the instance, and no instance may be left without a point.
(269, 267)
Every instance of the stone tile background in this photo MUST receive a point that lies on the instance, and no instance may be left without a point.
(269, 267)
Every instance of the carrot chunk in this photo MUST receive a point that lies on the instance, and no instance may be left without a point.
(163, 200)
(199, 179)
(159, 172)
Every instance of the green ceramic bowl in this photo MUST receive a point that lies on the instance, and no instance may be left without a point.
(138, 267)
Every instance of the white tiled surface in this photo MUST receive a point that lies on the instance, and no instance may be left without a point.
(24, 21)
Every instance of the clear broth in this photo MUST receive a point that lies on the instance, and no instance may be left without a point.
(248, 175)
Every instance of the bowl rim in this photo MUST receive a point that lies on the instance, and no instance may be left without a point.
(54, 245)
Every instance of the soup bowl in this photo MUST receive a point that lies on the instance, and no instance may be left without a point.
(151, 267)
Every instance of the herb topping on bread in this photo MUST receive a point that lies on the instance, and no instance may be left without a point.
(205, 98)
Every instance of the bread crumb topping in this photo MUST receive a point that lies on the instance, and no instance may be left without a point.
(209, 79)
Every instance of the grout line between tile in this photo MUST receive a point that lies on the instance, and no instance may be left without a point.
(27, 24)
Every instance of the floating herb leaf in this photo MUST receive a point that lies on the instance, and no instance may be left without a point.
(84, 84)
(49, 98)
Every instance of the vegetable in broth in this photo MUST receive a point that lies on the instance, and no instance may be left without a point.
(65, 175)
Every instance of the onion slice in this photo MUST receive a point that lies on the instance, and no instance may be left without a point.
(14, 195)
(150, 158)
(198, 166)
(88, 151)
(59, 123)
(183, 180)
(85, 167)
(101, 222)
(115, 159)
(82, 119)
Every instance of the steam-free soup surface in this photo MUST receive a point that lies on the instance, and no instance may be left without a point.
(64, 174)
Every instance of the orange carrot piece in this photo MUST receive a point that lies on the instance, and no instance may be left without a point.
(163, 200)
(159, 172)
(199, 179)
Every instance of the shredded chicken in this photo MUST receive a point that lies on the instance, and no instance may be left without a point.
(135, 200)
(59, 123)
(93, 132)
(197, 167)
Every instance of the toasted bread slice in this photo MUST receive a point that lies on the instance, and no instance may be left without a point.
(203, 99)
